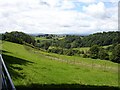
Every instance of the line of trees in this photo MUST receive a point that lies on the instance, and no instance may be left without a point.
(115, 57)
(97, 52)
(76, 41)
(18, 37)
(102, 39)
(69, 52)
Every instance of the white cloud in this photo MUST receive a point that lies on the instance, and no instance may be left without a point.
(96, 10)
(67, 4)
(109, 1)
(56, 16)
(87, 1)
(52, 3)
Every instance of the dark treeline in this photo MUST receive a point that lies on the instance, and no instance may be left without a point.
(69, 41)
(97, 51)
(18, 37)
(74, 41)
(102, 39)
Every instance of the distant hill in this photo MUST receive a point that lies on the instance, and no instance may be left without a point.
(102, 39)
(70, 41)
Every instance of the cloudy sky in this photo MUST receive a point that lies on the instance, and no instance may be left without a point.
(59, 16)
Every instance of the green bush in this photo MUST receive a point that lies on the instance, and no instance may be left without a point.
(94, 51)
(115, 57)
(85, 56)
(102, 54)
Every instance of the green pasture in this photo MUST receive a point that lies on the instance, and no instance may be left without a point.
(28, 66)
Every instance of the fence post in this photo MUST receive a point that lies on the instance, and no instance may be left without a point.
(92, 64)
(67, 61)
(105, 66)
(74, 61)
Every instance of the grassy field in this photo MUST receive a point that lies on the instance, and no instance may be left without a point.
(41, 38)
(45, 39)
(87, 48)
(82, 48)
(33, 68)
(107, 46)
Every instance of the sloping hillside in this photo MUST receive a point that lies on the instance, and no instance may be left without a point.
(33, 68)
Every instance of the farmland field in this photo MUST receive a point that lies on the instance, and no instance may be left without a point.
(29, 67)
(82, 48)
(41, 38)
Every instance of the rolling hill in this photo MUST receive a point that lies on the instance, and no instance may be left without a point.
(32, 68)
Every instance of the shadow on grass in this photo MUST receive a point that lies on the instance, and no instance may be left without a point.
(64, 86)
(10, 61)
(3, 51)
(14, 60)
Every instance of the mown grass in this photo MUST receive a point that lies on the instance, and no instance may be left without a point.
(28, 66)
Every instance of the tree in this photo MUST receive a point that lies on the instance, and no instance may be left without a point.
(102, 54)
(74, 44)
(68, 46)
(48, 37)
(69, 52)
(1, 36)
(46, 45)
(19, 37)
(38, 41)
(94, 51)
(85, 56)
(116, 54)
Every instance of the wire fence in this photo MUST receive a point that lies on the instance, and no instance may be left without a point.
(93, 65)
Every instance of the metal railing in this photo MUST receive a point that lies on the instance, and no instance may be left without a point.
(7, 83)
